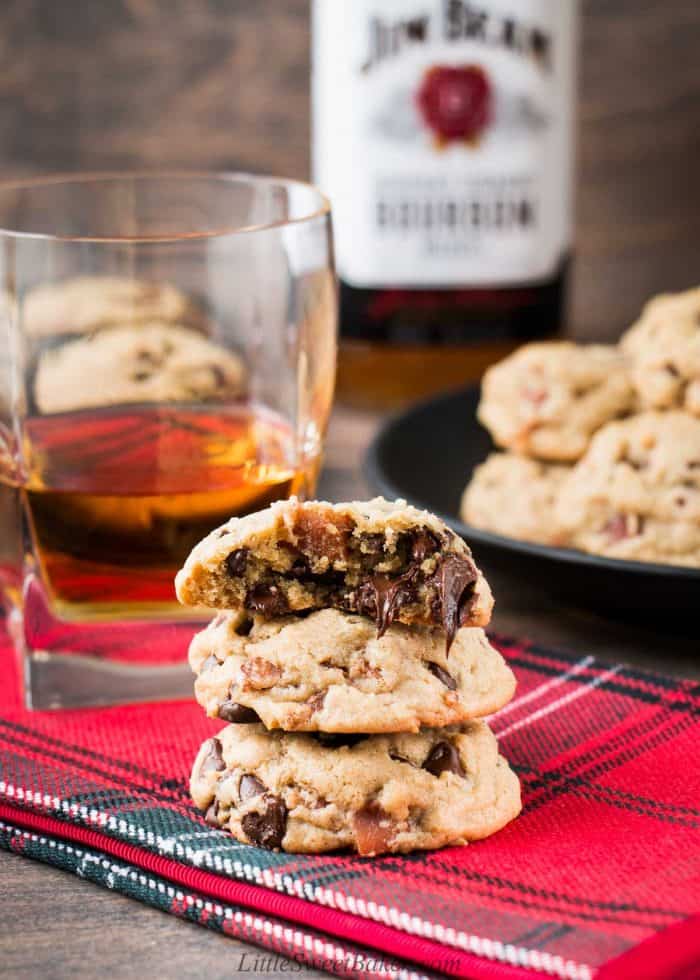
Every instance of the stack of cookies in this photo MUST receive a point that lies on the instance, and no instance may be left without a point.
(351, 665)
(601, 443)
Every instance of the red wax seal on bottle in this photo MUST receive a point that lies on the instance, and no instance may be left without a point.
(455, 102)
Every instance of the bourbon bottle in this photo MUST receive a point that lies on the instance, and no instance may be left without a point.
(443, 134)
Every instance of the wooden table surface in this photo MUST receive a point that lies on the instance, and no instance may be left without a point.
(67, 939)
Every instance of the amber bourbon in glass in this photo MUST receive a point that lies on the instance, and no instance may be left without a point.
(167, 362)
(443, 136)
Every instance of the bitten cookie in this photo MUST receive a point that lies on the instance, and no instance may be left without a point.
(636, 493)
(330, 672)
(516, 497)
(664, 350)
(375, 794)
(546, 400)
(85, 303)
(388, 561)
(152, 362)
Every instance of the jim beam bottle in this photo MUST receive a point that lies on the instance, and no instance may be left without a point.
(442, 133)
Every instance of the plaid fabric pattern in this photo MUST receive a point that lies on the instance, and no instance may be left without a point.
(599, 876)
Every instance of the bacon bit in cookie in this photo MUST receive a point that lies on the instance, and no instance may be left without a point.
(316, 702)
(374, 830)
(365, 669)
(536, 396)
(320, 535)
(260, 673)
(623, 526)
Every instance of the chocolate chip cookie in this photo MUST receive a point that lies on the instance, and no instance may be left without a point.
(636, 492)
(388, 561)
(330, 672)
(150, 362)
(85, 303)
(375, 794)
(547, 399)
(515, 496)
(664, 349)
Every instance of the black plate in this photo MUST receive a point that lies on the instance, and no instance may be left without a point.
(427, 456)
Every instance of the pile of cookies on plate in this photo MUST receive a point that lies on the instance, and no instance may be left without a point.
(350, 663)
(602, 443)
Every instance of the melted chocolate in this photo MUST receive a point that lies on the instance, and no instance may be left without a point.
(266, 829)
(444, 676)
(424, 545)
(453, 579)
(381, 597)
(237, 714)
(268, 600)
(236, 562)
(444, 757)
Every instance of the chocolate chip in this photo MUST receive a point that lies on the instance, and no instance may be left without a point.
(444, 757)
(338, 740)
(267, 600)
(212, 813)
(266, 829)
(424, 545)
(209, 663)
(244, 627)
(237, 714)
(213, 760)
(300, 568)
(236, 562)
(249, 787)
(400, 758)
(442, 675)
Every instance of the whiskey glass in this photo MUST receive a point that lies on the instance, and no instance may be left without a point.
(167, 361)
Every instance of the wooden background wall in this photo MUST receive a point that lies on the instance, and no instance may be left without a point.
(224, 83)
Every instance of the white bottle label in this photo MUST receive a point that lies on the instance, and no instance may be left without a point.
(443, 137)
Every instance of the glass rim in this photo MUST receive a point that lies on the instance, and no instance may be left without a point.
(224, 176)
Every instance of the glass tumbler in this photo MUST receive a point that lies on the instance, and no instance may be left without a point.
(167, 361)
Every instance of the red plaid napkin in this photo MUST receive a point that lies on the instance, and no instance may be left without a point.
(599, 877)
